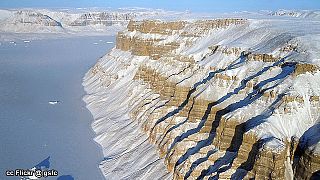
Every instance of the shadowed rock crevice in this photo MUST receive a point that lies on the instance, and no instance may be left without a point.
(249, 163)
(303, 154)
(237, 139)
(286, 70)
(243, 84)
(237, 62)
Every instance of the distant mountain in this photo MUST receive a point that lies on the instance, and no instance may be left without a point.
(28, 21)
(31, 17)
(103, 18)
(71, 21)
(297, 13)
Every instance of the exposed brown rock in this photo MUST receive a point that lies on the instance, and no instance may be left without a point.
(155, 27)
(307, 165)
(262, 57)
(303, 68)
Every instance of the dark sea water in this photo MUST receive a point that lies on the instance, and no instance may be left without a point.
(31, 75)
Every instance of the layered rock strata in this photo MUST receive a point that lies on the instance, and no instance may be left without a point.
(212, 97)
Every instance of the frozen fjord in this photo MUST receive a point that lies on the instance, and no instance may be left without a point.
(33, 74)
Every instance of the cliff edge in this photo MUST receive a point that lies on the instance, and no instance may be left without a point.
(232, 98)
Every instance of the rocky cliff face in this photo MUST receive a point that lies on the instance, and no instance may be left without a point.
(208, 99)
(103, 18)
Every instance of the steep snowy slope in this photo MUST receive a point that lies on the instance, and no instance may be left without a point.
(223, 98)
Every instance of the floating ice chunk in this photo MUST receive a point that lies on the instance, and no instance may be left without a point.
(26, 41)
(109, 42)
(95, 43)
(54, 102)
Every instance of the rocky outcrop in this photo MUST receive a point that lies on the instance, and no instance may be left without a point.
(262, 57)
(156, 27)
(304, 68)
(214, 110)
(142, 47)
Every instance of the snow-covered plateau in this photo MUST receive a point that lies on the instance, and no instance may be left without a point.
(227, 96)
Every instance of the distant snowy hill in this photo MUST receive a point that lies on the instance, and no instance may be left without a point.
(300, 14)
(72, 21)
(29, 21)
